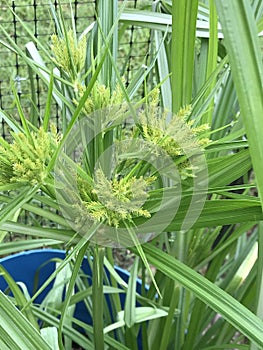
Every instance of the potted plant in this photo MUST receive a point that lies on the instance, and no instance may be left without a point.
(129, 173)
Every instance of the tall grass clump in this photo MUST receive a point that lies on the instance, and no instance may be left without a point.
(173, 176)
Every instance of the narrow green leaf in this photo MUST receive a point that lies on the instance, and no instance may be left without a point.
(216, 212)
(48, 104)
(142, 255)
(212, 57)
(9, 121)
(259, 283)
(242, 43)
(17, 246)
(130, 301)
(97, 297)
(68, 258)
(50, 334)
(142, 73)
(79, 338)
(34, 209)
(224, 170)
(37, 64)
(184, 15)
(3, 343)
(14, 324)
(224, 110)
(141, 314)
(10, 208)
(62, 235)
(107, 12)
(235, 313)
(163, 21)
(22, 115)
(227, 346)
(163, 72)
(18, 294)
(70, 289)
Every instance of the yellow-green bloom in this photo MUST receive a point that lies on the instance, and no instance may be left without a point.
(69, 52)
(174, 137)
(101, 97)
(114, 200)
(25, 160)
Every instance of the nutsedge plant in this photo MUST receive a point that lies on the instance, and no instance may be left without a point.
(116, 162)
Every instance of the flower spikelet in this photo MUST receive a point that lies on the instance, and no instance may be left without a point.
(100, 97)
(116, 200)
(172, 134)
(25, 160)
(175, 136)
(69, 51)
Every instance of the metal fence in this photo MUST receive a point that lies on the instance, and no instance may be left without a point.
(37, 17)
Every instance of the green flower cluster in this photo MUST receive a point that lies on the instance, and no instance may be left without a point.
(25, 160)
(69, 53)
(115, 200)
(101, 97)
(175, 137)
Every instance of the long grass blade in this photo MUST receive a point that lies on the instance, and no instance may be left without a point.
(16, 203)
(259, 310)
(70, 289)
(184, 15)
(235, 313)
(17, 330)
(212, 56)
(18, 294)
(242, 43)
(17, 246)
(130, 301)
(97, 298)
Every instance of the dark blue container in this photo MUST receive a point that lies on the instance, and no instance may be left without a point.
(23, 267)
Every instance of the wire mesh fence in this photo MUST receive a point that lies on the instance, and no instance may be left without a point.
(133, 46)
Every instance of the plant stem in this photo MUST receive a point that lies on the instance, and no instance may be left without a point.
(107, 13)
(97, 298)
(259, 306)
(245, 57)
(166, 336)
(180, 255)
(211, 58)
(184, 14)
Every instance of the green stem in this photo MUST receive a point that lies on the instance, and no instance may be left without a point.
(184, 14)
(97, 298)
(107, 14)
(170, 318)
(259, 305)
(211, 59)
(181, 243)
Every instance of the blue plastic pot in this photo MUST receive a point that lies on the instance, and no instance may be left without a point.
(23, 267)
